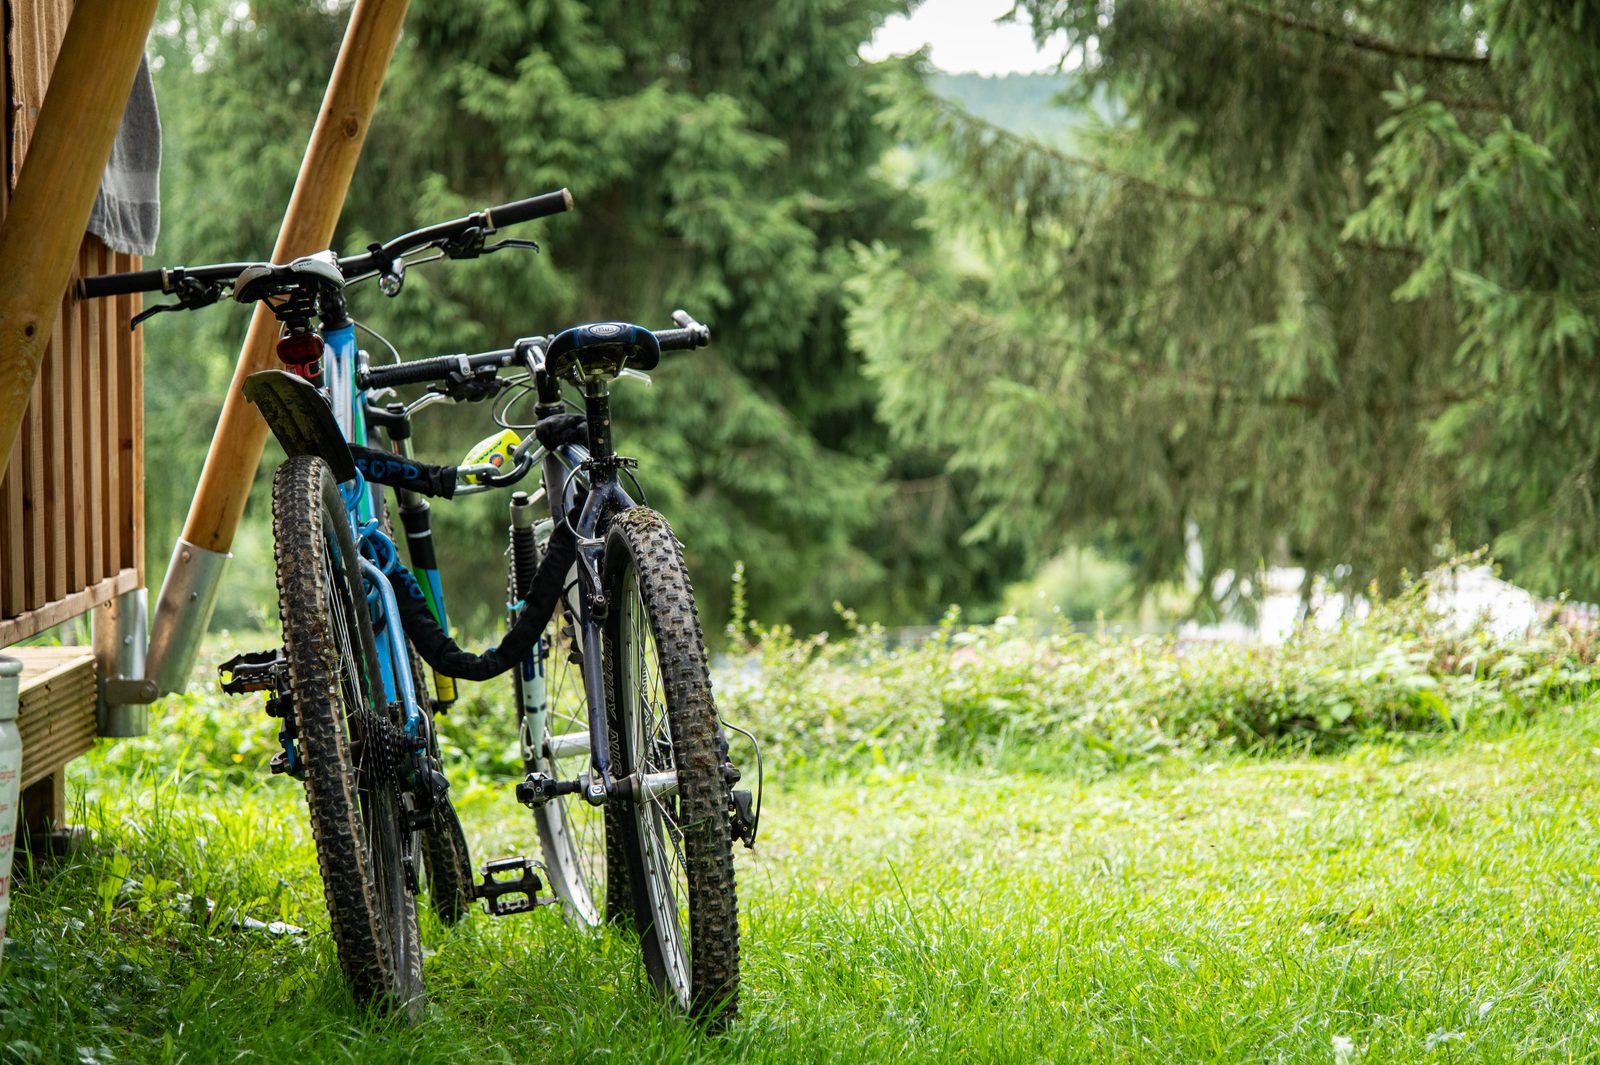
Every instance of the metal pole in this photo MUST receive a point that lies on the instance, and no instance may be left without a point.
(189, 592)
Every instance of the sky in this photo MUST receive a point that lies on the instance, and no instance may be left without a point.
(962, 37)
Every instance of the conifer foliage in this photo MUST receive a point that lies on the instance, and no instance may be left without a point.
(722, 156)
(1329, 286)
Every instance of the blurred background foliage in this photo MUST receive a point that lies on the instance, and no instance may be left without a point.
(1319, 281)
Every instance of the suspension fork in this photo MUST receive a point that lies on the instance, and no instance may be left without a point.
(606, 498)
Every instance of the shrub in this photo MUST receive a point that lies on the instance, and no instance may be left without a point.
(997, 692)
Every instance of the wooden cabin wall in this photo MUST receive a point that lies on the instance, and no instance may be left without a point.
(72, 497)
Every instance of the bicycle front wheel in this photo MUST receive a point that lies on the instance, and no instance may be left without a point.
(677, 826)
(347, 739)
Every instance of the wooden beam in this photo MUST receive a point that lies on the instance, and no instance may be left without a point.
(55, 190)
(36, 621)
(308, 225)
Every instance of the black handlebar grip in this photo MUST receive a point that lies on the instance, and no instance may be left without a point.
(92, 288)
(410, 373)
(509, 214)
(681, 339)
(435, 369)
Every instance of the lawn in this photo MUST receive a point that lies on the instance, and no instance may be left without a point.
(1425, 899)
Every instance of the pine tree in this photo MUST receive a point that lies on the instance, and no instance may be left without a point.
(722, 156)
(1330, 288)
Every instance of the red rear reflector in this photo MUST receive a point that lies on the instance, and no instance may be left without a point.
(300, 349)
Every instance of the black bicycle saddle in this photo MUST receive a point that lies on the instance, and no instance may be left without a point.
(602, 348)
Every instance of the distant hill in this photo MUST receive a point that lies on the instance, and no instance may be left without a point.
(1021, 103)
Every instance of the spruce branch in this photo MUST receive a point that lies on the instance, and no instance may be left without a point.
(954, 114)
(1215, 387)
(1356, 39)
(952, 119)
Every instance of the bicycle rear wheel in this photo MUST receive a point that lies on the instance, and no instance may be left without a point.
(677, 824)
(348, 739)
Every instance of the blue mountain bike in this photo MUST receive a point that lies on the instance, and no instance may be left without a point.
(628, 768)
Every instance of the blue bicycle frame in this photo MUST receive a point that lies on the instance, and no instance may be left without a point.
(379, 557)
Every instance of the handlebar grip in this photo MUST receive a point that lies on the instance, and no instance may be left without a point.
(508, 214)
(682, 339)
(91, 288)
(435, 369)
(689, 335)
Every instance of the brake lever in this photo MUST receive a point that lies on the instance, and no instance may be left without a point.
(192, 295)
(509, 242)
(470, 388)
(468, 244)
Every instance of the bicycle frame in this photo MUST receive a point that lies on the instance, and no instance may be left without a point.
(605, 499)
(361, 507)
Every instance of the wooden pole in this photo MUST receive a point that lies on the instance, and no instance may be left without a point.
(55, 191)
(308, 225)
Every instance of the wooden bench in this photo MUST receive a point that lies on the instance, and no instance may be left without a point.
(56, 717)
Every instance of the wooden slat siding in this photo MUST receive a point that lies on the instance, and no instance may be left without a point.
(72, 498)
(130, 372)
(76, 488)
(34, 490)
(37, 27)
(13, 580)
(36, 621)
(94, 483)
(56, 442)
(111, 448)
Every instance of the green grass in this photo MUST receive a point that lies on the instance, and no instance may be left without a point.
(1434, 901)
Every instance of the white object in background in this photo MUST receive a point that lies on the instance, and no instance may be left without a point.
(1473, 595)
(10, 780)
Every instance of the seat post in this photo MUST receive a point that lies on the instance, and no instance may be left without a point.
(597, 405)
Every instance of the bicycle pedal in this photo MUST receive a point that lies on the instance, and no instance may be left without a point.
(254, 671)
(498, 884)
(283, 763)
(540, 788)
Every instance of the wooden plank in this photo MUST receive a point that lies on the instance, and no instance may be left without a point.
(55, 707)
(34, 622)
(34, 491)
(121, 350)
(13, 553)
(36, 30)
(110, 435)
(44, 805)
(56, 443)
(77, 461)
(93, 445)
(135, 304)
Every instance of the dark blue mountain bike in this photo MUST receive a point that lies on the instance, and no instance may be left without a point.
(628, 768)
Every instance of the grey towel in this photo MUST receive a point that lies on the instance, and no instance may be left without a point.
(127, 212)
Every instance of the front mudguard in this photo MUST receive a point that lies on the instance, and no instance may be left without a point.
(300, 418)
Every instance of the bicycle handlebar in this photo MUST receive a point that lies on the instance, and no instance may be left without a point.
(354, 267)
(689, 336)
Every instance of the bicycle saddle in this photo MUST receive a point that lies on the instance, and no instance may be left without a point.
(602, 348)
(261, 280)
